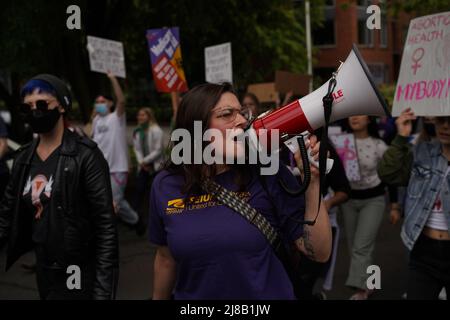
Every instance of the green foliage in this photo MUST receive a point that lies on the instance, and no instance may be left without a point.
(418, 7)
(266, 35)
(388, 92)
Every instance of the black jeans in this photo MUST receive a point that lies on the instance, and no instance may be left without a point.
(55, 281)
(4, 179)
(310, 271)
(142, 195)
(429, 269)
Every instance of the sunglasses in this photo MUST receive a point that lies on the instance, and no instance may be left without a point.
(41, 105)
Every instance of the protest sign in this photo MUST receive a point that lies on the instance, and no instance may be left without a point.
(424, 80)
(346, 149)
(218, 64)
(167, 64)
(106, 55)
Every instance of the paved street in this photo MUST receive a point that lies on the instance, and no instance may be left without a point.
(136, 257)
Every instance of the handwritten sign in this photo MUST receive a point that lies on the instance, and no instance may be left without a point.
(106, 55)
(346, 149)
(218, 64)
(424, 80)
(167, 64)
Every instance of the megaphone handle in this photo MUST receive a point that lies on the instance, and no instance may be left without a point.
(330, 162)
(290, 143)
(306, 171)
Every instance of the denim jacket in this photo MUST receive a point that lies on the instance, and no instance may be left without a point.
(422, 168)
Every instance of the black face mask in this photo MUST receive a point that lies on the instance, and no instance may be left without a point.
(43, 121)
(429, 129)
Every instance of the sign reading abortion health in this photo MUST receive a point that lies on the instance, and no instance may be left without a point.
(106, 55)
(424, 80)
(167, 64)
(218, 65)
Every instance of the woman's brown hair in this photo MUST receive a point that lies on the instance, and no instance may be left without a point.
(196, 106)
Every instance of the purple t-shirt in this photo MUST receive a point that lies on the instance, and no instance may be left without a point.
(219, 254)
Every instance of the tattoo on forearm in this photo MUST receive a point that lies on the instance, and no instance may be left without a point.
(309, 248)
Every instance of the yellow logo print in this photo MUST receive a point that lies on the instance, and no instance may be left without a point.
(176, 206)
(176, 203)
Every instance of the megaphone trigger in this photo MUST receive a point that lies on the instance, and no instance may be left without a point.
(292, 145)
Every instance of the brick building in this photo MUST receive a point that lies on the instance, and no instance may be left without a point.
(345, 24)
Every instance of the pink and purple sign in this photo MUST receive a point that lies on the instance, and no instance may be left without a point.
(167, 64)
(346, 149)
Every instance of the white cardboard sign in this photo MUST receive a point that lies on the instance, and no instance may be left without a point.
(424, 80)
(106, 55)
(218, 63)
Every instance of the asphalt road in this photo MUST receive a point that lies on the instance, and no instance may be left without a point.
(136, 267)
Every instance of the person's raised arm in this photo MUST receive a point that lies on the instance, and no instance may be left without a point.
(395, 165)
(118, 93)
(315, 242)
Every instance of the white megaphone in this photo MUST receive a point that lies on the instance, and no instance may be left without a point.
(355, 94)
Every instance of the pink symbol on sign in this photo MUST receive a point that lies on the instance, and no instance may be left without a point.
(346, 153)
(416, 57)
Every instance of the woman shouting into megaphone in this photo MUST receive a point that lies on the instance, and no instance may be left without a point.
(221, 227)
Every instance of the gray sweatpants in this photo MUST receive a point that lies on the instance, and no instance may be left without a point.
(362, 219)
(118, 184)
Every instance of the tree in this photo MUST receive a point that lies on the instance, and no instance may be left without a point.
(418, 7)
(36, 40)
(266, 35)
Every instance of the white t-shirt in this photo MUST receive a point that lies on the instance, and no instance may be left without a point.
(109, 132)
(437, 219)
(370, 152)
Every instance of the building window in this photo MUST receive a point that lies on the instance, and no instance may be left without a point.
(365, 35)
(379, 73)
(384, 30)
(325, 35)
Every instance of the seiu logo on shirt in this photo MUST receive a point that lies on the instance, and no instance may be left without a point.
(197, 202)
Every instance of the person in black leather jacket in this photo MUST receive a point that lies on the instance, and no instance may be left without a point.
(59, 202)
